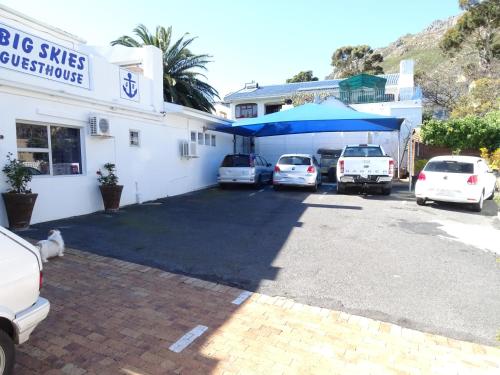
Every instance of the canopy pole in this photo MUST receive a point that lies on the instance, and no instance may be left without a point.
(410, 164)
(399, 152)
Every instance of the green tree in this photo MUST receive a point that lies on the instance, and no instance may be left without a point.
(477, 26)
(483, 97)
(181, 76)
(470, 132)
(303, 76)
(351, 60)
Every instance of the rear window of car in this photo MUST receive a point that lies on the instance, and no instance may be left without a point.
(449, 167)
(236, 161)
(294, 160)
(363, 152)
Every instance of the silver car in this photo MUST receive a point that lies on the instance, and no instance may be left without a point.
(247, 169)
(297, 170)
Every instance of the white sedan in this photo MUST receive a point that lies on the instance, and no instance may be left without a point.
(460, 179)
(297, 170)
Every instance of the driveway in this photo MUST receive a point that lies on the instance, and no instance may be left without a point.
(429, 268)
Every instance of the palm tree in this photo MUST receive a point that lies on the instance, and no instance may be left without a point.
(181, 83)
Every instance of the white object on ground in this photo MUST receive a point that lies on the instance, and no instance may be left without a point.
(481, 236)
(187, 339)
(241, 298)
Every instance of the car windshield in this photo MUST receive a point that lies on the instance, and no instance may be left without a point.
(294, 160)
(449, 166)
(236, 161)
(360, 151)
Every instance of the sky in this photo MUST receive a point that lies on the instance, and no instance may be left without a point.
(266, 41)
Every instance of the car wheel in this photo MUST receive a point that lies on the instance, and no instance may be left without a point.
(258, 183)
(478, 207)
(386, 191)
(276, 187)
(314, 188)
(421, 201)
(7, 354)
(340, 188)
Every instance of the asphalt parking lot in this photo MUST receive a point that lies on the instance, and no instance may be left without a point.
(430, 268)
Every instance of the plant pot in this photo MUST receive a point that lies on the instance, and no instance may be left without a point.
(111, 197)
(19, 208)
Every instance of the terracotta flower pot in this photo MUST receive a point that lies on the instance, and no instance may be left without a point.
(19, 208)
(111, 195)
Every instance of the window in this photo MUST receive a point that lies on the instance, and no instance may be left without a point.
(207, 139)
(193, 136)
(246, 110)
(238, 161)
(49, 149)
(295, 160)
(272, 108)
(213, 140)
(200, 138)
(134, 138)
(449, 166)
(363, 151)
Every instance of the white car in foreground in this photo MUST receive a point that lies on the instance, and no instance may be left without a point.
(21, 307)
(460, 179)
(297, 170)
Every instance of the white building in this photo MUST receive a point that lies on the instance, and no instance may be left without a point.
(398, 97)
(53, 86)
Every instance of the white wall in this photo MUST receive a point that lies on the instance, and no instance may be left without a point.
(156, 165)
(273, 147)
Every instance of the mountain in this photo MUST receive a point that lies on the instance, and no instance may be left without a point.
(422, 47)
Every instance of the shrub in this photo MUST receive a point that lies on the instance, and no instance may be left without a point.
(470, 132)
(110, 179)
(18, 176)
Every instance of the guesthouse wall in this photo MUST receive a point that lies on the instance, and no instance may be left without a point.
(149, 169)
(152, 170)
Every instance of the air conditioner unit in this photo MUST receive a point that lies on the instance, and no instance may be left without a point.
(193, 150)
(99, 126)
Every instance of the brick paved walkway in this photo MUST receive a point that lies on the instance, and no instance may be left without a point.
(114, 317)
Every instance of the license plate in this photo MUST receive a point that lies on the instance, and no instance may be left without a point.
(364, 174)
(445, 193)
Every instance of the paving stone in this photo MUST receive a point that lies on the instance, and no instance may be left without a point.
(109, 317)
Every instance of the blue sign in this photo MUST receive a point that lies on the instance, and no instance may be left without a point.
(129, 85)
(29, 54)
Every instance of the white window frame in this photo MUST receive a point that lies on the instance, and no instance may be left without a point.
(213, 141)
(201, 138)
(138, 138)
(193, 136)
(49, 149)
(207, 139)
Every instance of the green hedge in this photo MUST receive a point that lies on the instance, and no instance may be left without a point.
(470, 132)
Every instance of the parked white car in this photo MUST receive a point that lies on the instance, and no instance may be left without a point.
(297, 170)
(245, 169)
(21, 307)
(365, 166)
(460, 179)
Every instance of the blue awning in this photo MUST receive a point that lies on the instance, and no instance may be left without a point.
(313, 118)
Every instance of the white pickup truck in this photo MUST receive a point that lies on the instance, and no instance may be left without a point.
(21, 307)
(365, 166)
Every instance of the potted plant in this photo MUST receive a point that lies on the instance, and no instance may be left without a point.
(110, 190)
(19, 200)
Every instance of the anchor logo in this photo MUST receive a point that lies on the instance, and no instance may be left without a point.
(130, 87)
